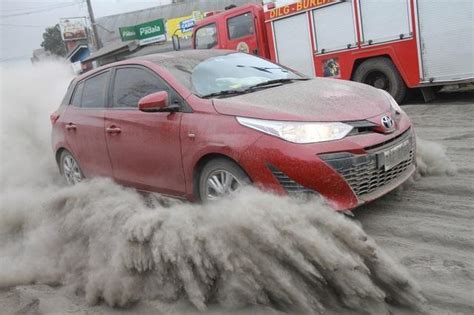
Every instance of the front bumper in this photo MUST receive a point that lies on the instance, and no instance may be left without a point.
(346, 173)
(366, 173)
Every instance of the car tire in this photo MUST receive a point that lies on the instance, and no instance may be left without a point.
(70, 168)
(224, 172)
(382, 73)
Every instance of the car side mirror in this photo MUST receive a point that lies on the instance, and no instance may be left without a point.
(156, 102)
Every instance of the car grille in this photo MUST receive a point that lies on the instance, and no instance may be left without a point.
(363, 173)
(290, 186)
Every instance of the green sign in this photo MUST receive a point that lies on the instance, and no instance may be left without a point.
(146, 33)
(128, 33)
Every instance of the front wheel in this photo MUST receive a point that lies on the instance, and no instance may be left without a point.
(219, 178)
(70, 168)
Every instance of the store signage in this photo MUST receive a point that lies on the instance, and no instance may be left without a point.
(146, 33)
(72, 29)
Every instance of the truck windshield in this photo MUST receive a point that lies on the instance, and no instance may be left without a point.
(237, 72)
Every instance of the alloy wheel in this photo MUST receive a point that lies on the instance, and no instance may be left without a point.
(221, 183)
(71, 170)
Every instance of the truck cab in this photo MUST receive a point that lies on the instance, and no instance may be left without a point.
(241, 29)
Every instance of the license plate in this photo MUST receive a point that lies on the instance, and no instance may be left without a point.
(397, 154)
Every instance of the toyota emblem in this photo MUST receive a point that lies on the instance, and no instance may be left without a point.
(387, 122)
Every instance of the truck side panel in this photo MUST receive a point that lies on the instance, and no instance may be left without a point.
(447, 40)
(355, 39)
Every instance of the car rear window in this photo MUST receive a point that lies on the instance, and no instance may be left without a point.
(76, 99)
(67, 97)
(94, 92)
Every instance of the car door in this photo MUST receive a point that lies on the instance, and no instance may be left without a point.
(84, 125)
(144, 147)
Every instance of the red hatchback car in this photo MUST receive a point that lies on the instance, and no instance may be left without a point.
(198, 124)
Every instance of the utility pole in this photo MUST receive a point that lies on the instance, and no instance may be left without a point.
(97, 42)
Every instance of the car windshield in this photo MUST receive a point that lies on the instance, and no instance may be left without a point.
(229, 74)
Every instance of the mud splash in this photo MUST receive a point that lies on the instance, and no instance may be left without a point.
(114, 245)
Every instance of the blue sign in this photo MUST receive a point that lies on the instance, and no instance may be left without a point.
(187, 25)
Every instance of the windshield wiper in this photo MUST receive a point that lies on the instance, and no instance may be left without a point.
(252, 87)
(276, 81)
(224, 93)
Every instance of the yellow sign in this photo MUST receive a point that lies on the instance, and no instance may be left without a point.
(182, 26)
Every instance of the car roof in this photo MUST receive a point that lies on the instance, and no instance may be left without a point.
(176, 56)
(173, 57)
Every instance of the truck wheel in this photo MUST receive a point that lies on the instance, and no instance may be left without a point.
(220, 177)
(382, 74)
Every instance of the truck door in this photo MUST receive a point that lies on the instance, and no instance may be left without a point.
(206, 37)
(241, 32)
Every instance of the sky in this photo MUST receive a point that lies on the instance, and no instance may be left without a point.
(22, 22)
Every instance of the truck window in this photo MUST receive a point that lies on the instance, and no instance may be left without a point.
(206, 37)
(240, 26)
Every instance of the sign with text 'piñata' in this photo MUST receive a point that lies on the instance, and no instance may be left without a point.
(146, 33)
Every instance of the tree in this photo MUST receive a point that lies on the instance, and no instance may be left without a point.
(53, 42)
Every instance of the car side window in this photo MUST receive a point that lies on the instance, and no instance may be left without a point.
(131, 84)
(77, 98)
(206, 37)
(240, 26)
(95, 88)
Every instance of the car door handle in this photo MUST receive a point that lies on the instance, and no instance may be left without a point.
(113, 129)
(70, 127)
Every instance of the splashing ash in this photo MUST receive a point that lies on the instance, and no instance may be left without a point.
(431, 159)
(115, 245)
(252, 249)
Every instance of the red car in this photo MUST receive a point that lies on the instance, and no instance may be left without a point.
(198, 124)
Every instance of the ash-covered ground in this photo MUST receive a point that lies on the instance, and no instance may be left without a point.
(99, 248)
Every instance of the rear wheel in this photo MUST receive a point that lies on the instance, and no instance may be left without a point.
(382, 74)
(70, 168)
(219, 178)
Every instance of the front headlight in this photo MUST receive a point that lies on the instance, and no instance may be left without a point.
(299, 132)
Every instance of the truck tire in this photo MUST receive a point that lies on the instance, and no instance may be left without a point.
(381, 73)
(220, 177)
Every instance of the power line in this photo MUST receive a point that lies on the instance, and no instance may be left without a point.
(23, 25)
(32, 11)
(26, 9)
(14, 58)
(42, 10)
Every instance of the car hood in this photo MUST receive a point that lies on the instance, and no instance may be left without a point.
(317, 99)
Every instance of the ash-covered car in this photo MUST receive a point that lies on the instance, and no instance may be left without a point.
(199, 124)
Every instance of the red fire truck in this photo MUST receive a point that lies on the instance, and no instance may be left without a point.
(393, 45)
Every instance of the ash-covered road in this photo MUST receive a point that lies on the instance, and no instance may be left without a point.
(429, 227)
(61, 248)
